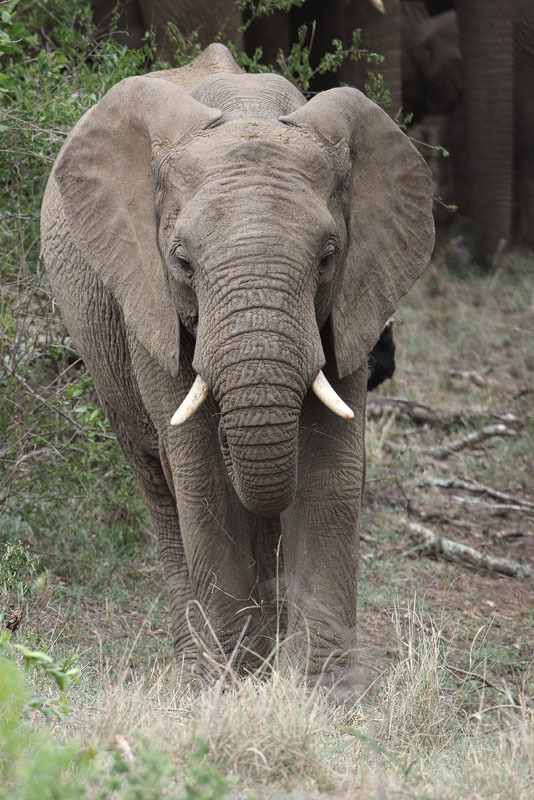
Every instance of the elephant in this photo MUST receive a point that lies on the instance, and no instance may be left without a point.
(475, 65)
(497, 45)
(432, 67)
(225, 254)
(433, 96)
(380, 24)
(209, 19)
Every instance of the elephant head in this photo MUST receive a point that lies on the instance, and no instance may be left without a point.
(246, 219)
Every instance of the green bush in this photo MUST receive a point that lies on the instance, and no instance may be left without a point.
(33, 766)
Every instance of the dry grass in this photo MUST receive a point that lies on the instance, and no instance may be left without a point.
(425, 732)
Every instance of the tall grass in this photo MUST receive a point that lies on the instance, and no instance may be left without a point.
(418, 735)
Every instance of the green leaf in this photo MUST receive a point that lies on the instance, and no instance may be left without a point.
(36, 656)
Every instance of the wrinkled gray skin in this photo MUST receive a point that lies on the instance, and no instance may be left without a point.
(205, 221)
(432, 69)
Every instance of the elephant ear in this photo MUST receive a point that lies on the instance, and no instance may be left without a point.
(106, 173)
(390, 225)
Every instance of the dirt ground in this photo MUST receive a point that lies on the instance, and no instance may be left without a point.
(465, 352)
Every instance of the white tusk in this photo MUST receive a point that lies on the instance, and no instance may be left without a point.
(380, 5)
(196, 396)
(333, 401)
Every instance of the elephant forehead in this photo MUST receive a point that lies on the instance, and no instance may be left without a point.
(246, 150)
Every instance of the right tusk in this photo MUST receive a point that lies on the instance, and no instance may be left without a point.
(196, 396)
(380, 5)
(328, 396)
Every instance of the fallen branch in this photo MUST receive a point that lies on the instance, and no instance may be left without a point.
(469, 375)
(418, 412)
(471, 439)
(421, 413)
(491, 506)
(464, 554)
(472, 486)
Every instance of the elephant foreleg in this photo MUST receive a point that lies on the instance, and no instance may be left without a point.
(217, 537)
(320, 532)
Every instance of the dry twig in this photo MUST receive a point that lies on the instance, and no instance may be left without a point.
(122, 745)
(455, 551)
(469, 440)
(472, 486)
(441, 415)
(491, 506)
(27, 388)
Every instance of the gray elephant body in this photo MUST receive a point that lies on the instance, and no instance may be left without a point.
(201, 221)
(476, 65)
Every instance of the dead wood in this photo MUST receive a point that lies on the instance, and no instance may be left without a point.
(455, 551)
(469, 440)
(472, 486)
(478, 501)
(439, 415)
(469, 375)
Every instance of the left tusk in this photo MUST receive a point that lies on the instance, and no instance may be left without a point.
(328, 396)
(195, 397)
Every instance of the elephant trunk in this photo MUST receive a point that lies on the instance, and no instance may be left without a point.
(259, 359)
(258, 432)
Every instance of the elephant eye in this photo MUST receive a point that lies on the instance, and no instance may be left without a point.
(326, 262)
(181, 264)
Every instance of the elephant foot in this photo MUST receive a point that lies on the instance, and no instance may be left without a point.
(339, 677)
